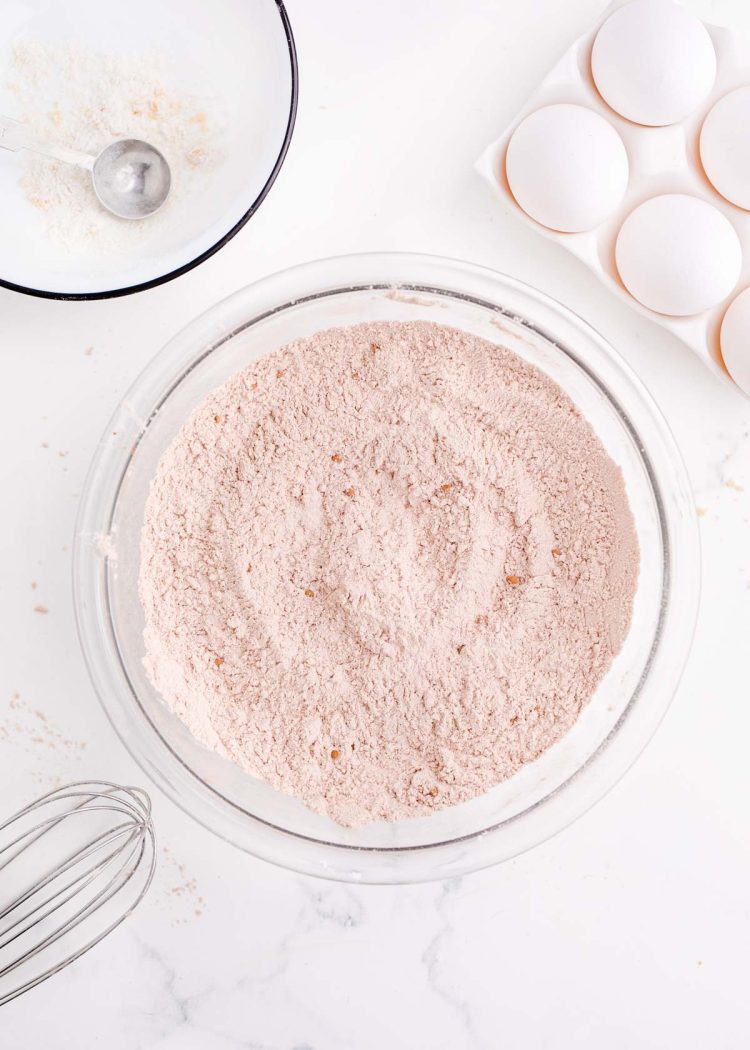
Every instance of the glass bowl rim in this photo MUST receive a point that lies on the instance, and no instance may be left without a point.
(312, 281)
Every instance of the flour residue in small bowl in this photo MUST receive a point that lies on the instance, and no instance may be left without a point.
(73, 95)
(384, 567)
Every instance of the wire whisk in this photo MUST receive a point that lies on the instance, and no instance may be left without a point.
(73, 865)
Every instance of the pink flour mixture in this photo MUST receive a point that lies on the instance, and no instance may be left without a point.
(384, 567)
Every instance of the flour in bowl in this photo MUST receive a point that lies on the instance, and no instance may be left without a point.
(74, 96)
(384, 567)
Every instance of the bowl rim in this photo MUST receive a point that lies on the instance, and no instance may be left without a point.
(154, 282)
(679, 543)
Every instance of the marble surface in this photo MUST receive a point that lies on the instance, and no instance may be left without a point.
(630, 929)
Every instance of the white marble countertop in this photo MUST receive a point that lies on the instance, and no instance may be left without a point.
(630, 929)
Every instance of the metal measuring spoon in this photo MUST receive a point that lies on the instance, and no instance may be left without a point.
(131, 178)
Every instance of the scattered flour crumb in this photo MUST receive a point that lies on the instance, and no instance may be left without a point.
(105, 544)
(48, 751)
(179, 895)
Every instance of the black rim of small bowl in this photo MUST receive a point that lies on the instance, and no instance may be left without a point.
(186, 267)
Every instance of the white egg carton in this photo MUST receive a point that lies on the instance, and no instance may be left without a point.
(661, 160)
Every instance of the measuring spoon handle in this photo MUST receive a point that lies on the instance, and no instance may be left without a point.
(14, 136)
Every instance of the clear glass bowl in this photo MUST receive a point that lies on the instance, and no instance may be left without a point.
(544, 796)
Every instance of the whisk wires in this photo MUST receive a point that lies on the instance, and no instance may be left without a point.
(74, 864)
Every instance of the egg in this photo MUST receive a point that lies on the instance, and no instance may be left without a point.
(725, 147)
(678, 255)
(735, 340)
(567, 167)
(653, 62)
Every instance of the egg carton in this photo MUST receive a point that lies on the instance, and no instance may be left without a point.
(661, 160)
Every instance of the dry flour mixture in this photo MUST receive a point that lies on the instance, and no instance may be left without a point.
(384, 567)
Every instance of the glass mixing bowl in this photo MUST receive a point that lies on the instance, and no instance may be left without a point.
(545, 795)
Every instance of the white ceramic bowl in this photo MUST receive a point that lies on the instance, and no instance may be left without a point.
(240, 53)
(629, 703)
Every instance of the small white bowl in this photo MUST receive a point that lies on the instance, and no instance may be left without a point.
(238, 53)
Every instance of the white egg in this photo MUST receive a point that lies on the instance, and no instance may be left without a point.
(678, 255)
(725, 147)
(653, 62)
(735, 340)
(567, 167)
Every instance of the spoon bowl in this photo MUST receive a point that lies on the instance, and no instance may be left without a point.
(131, 178)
